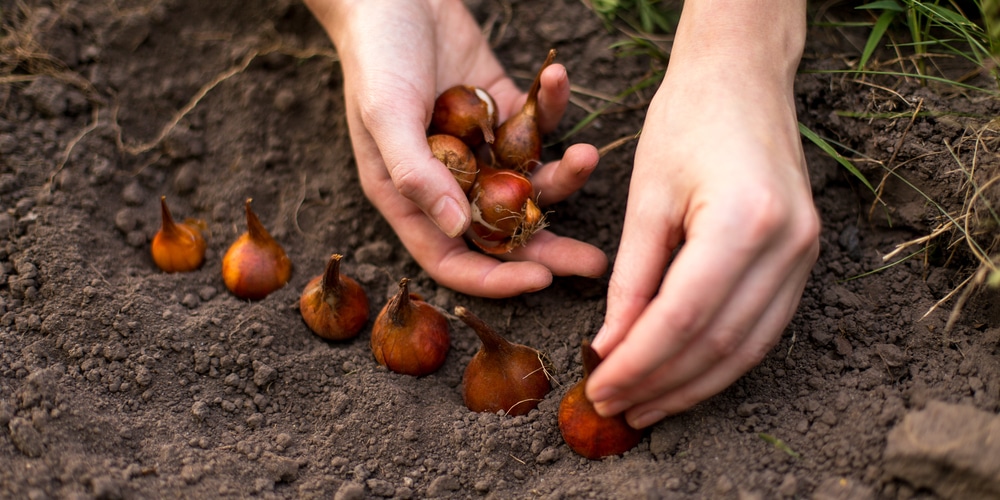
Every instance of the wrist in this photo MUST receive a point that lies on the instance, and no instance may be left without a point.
(744, 38)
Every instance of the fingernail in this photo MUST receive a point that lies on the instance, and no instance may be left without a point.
(602, 394)
(599, 337)
(448, 216)
(646, 419)
(611, 408)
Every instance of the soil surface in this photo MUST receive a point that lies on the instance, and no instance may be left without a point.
(121, 381)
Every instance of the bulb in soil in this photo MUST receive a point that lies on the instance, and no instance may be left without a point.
(586, 432)
(177, 247)
(255, 264)
(334, 305)
(502, 376)
(410, 336)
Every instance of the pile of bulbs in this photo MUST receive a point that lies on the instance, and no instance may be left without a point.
(492, 163)
(410, 336)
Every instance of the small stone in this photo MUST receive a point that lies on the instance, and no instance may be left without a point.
(283, 440)
(548, 455)
(381, 488)
(789, 486)
(106, 487)
(187, 178)
(25, 437)
(442, 485)
(280, 469)
(126, 220)
(284, 99)
(200, 410)
(350, 491)
(190, 300)
(263, 374)
(206, 293)
(133, 194)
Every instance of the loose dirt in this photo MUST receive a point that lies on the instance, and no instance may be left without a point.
(119, 381)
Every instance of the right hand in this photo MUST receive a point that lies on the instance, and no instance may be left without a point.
(397, 56)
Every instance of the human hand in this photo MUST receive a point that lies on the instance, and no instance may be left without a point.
(397, 56)
(719, 167)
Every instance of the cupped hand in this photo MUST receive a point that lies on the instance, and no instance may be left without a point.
(397, 56)
(719, 238)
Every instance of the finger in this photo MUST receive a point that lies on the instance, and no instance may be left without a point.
(562, 256)
(555, 181)
(771, 285)
(553, 97)
(650, 233)
(754, 348)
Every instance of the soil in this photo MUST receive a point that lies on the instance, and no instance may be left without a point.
(121, 381)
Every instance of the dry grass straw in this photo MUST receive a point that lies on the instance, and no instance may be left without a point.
(976, 226)
(23, 58)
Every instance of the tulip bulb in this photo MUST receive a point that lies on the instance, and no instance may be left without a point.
(518, 144)
(410, 336)
(504, 213)
(255, 264)
(177, 247)
(457, 156)
(466, 112)
(586, 432)
(502, 376)
(334, 305)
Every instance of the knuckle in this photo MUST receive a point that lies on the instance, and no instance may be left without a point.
(764, 214)
(406, 179)
(722, 344)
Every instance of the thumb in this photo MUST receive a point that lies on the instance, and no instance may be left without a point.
(422, 178)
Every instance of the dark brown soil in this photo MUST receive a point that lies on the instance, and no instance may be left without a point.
(120, 381)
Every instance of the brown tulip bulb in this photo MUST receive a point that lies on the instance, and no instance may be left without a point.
(177, 247)
(457, 156)
(466, 112)
(410, 336)
(586, 432)
(504, 213)
(502, 376)
(518, 144)
(334, 305)
(255, 264)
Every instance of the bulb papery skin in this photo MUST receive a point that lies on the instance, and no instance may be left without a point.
(410, 336)
(502, 376)
(518, 144)
(504, 213)
(587, 433)
(466, 112)
(457, 156)
(255, 264)
(177, 247)
(333, 305)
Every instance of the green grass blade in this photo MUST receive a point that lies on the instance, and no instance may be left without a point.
(907, 75)
(829, 150)
(878, 31)
(892, 5)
